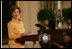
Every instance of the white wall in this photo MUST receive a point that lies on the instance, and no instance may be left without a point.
(29, 11)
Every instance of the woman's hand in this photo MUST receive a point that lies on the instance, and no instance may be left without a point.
(24, 34)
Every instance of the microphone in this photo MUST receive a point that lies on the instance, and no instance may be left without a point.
(40, 26)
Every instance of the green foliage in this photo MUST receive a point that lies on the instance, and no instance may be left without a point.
(67, 14)
(46, 14)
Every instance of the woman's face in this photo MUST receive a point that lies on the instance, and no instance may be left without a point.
(16, 13)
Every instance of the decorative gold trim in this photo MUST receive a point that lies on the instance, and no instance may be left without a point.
(61, 7)
(40, 5)
(19, 5)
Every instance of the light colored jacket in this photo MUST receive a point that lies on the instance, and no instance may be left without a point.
(15, 29)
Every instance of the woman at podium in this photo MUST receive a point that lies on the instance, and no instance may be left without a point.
(15, 28)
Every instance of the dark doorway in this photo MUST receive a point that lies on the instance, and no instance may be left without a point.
(5, 20)
(6, 17)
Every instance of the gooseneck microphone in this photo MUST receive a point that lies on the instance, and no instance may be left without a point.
(40, 26)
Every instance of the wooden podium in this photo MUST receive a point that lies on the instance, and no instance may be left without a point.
(56, 36)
